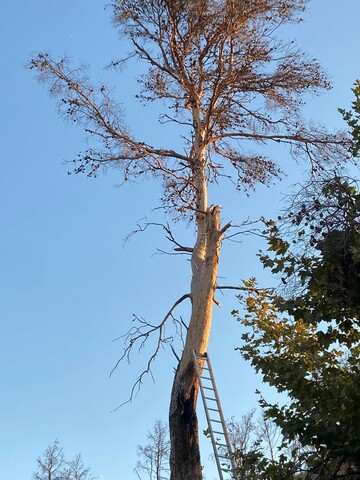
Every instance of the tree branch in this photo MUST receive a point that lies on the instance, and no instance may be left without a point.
(327, 140)
(242, 289)
(138, 336)
(169, 235)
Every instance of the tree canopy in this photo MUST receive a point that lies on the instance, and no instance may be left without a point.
(225, 78)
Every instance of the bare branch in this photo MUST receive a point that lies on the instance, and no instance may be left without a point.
(169, 236)
(224, 228)
(242, 289)
(138, 336)
(175, 354)
(310, 140)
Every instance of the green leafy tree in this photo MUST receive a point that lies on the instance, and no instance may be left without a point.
(304, 338)
(352, 117)
(229, 86)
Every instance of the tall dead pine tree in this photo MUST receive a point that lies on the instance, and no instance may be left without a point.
(224, 76)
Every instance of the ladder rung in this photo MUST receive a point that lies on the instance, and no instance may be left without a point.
(221, 450)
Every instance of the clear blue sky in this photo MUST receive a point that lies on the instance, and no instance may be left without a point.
(69, 286)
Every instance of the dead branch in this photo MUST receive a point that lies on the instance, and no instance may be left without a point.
(243, 289)
(225, 227)
(159, 251)
(169, 236)
(138, 336)
(300, 138)
(241, 231)
(175, 354)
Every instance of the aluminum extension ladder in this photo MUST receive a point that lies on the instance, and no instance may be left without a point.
(214, 416)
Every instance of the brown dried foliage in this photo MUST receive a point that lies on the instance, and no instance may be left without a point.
(220, 69)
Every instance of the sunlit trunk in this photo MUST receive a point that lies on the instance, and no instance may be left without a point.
(185, 455)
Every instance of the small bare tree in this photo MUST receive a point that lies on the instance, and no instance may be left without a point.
(54, 466)
(241, 434)
(50, 466)
(154, 456)
(229, 83)
(257, 443)
(76, 470)
(269, 435)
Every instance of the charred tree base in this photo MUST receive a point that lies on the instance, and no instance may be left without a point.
(185, 453)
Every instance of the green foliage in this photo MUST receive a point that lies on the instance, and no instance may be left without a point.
(352, 118)
(305, 338)
(325, 260)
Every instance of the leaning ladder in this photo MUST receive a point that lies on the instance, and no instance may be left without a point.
(214, 416)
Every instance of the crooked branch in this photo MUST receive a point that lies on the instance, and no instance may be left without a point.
(169, 235)
(138, 336)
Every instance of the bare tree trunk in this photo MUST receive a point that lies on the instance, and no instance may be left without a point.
(185, 455)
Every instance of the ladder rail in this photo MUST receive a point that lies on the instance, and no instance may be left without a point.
(207, 414)
(226, 435)
(218, 409)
